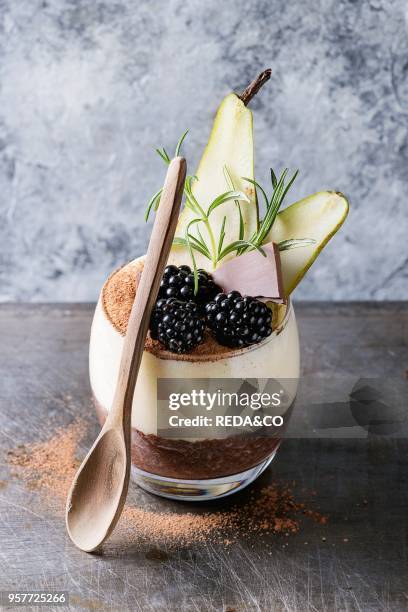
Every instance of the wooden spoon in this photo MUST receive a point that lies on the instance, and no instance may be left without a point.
(98, 492)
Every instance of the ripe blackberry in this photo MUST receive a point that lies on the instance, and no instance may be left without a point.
(238, 321)
(178, 282)
(177, 324)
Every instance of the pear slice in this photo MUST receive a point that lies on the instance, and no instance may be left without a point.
(231, 145)
(318, 216)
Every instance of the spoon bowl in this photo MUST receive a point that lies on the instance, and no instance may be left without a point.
(100, 483)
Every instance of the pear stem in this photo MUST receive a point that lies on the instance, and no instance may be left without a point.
(253, 88)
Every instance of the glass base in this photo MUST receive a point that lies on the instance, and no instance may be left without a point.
(198, 490)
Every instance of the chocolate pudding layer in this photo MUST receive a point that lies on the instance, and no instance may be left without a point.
(198, 459)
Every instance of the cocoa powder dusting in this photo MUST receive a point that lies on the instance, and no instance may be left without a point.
(51, 466)
(119, 292)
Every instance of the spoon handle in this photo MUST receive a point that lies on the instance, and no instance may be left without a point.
(155, 261)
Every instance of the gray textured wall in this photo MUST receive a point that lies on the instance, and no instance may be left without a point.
(88, 89)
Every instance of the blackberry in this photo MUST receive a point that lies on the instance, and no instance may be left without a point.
(177, 324)
(178, 282)
(238, 321)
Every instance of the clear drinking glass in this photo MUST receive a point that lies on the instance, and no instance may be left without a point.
(203, 468)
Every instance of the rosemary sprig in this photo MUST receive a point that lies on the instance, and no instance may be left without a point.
(196, 242)
(189, 239)
(295, 243)
(215, 250)
(163, 153)
(153, 203)
(180, 142)
(273, 205)
(235, 246)
(231, 185)
(222, 236)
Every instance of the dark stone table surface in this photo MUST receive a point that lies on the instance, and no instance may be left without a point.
(358, 561)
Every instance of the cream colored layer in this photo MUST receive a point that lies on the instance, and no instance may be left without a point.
(277, 357)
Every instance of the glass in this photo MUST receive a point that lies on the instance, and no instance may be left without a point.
(201, 468)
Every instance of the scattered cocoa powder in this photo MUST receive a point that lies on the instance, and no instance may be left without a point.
(171, 528)
(51, 466)
(272, 510)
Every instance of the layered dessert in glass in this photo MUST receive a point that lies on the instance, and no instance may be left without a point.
(201, 459)
(223, 313)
